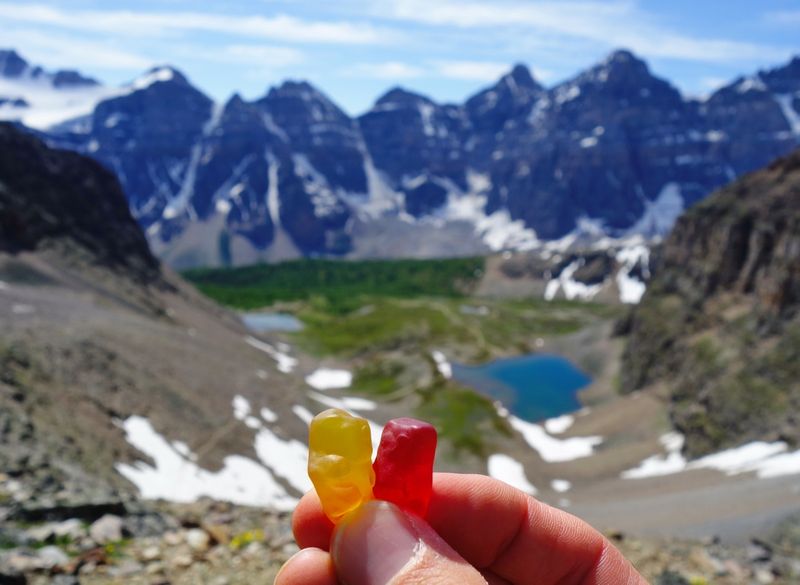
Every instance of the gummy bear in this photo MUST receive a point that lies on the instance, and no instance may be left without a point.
(404, 464)
(340, 461)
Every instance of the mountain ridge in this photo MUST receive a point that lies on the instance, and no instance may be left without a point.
(719, 324)
(614, 145)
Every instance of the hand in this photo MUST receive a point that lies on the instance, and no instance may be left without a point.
(478, 530)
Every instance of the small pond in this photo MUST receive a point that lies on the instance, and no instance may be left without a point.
(264, 322)
(532, 387)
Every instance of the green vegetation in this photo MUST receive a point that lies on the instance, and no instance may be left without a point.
(461, 416)
(342, 285)
(379, 378)
(386, 317)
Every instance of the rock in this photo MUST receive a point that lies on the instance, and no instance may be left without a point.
(671, 578)
(198, 539)
(220, 533)
(64, 580)
(758, 551)
(126, 568)
(763, 576)
(155, 568)
(52, 556)
(107, 529)
(149, 554)
(173, 538)
(72, 528)
(181, 560)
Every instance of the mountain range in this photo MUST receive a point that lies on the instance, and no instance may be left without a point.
(614, 151)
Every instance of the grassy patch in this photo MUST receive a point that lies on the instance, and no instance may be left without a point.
(340, 283)
(461, 416)
(377, 378)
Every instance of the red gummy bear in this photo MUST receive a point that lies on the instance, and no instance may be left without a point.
(404, 464)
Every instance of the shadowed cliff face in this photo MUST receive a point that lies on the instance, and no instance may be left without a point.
(720, 323)
(55, 198)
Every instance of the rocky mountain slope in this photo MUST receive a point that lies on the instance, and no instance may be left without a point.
(720, 323)
(291, 174)
(96, 332)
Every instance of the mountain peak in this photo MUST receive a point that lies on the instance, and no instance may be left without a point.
(11, 64)
(400, 96)
(783, 79)
(299, 89)
(159, 74)
(625, 60)
(522, 77)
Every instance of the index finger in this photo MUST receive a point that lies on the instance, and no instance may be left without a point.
(498, 528)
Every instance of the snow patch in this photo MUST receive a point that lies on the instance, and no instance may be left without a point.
(659, 216)
(158, 75)
(551, 449)
(176, 478)
(561, 485)
(444, 367)
(286, 363)
(658, 465)
(753, 83)
(327, 379)
(510, 471)
(302, 413)
(268, 415)
(573, 289)
(345, 403)
(287, 459)
(792, 117)
(764, 459)
(316, 185)
(241, 407)
(426, 115)
(631, 289)
(559, 424)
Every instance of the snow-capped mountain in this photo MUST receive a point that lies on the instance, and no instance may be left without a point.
(41, 99)
(517, 165)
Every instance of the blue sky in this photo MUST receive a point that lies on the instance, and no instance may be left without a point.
(356, 49)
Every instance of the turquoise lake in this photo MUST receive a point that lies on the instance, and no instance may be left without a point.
(532, 387)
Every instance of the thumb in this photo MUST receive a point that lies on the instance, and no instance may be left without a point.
(378, 544)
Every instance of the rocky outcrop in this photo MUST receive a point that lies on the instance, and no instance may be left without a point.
(720, 323)
(56, 198)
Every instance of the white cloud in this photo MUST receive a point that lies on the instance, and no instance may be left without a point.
(618, 23)
(786, 17)
(164, 24)
(268, 56)
(58, 50)
(471, 70)
(387, 70)
(713, 83)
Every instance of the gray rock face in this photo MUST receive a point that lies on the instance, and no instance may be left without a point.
(720, 322)
(50, 197)
(615, 145)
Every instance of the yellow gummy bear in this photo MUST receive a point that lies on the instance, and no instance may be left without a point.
(340, 461)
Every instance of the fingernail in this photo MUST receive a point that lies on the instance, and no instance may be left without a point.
(372, 544)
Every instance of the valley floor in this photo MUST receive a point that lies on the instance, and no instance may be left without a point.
(201, 379)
